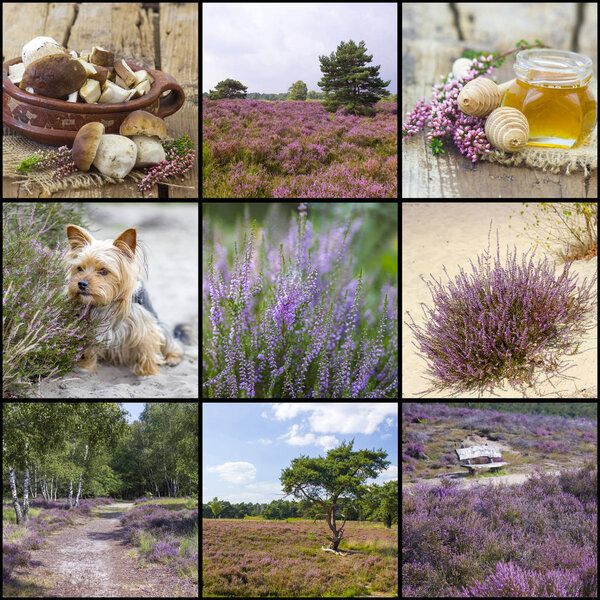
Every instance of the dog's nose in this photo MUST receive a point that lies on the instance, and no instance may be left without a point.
(83, 285)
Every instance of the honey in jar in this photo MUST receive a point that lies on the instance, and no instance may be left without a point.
(551, 90)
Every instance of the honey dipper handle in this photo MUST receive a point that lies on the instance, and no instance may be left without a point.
(504, 86)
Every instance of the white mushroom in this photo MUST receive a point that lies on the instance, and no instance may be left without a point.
(39, 47)
(149, 151)
(115, 156)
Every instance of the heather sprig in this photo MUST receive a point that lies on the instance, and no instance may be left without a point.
(288, 320)
(180, 156)
(512, 320)
(62, 159)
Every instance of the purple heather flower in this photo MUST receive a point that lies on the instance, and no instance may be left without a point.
(298, 328)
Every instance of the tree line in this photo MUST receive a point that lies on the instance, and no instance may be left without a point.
(87, 449)
(380, 504)
(347, 83)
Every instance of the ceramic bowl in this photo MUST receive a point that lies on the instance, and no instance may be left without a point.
(56, 122)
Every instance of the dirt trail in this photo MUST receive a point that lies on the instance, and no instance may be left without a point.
(92, 560)
(511, 479)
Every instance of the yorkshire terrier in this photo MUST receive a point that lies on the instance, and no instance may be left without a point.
(104, 275)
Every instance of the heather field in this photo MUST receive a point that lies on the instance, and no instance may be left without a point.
(537, 539)
(255, 149)
(257, 558)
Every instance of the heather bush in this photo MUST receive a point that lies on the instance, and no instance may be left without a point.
(512, 320)
(538, 539)
(292, 322)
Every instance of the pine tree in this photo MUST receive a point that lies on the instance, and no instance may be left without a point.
(348, 83)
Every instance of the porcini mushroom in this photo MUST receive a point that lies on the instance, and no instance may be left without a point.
(39, 47)
(115, 156)
(145, 130)
(54, 76)
(86, 144)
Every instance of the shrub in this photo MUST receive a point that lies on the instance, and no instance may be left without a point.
(296, 326)
(503, 321)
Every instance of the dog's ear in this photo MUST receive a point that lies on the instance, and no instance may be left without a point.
(127, 242)
(78, 236)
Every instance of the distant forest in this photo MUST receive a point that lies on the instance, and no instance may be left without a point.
(371, 508)
(559, 409)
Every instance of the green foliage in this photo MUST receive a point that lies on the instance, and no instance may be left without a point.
(348, 83)
(298, 91)
(341, 474)
(229, 88)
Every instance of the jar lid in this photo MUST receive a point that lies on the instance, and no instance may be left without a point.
(556, 68)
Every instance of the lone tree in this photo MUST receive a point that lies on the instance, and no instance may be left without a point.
(348, 83)
(298, 91)
(229, 88)
(333, 481)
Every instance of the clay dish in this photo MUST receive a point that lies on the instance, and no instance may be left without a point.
(56, 122)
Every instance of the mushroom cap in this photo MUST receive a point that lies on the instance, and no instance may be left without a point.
(54, 76)
(140, 122)
(86, 144)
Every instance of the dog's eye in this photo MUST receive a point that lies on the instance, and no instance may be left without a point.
(103, 271)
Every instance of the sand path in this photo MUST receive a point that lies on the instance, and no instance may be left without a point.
(94, 560)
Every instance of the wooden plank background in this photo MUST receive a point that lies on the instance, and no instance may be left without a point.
(152, 35)
(433, 36)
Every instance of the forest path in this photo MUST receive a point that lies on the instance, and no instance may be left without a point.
(92, 560)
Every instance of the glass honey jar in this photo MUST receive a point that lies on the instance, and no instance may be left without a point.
(551, 90)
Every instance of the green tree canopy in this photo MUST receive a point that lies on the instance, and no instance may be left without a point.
(348, 83)
(298, 91)
(228, 88)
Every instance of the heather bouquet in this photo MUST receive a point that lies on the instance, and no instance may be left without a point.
(291, 320)
(511, 320)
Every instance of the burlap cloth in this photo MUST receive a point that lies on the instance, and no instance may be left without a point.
(566, 160)
(15, 149)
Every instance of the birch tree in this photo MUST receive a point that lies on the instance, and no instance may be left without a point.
(30, 430)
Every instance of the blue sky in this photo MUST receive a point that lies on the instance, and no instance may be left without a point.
(134, 409)
(245, 446)
(267, 47)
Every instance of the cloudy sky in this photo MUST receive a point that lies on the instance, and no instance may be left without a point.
(267, 47)
(245, 446)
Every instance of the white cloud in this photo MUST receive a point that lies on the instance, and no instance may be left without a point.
(235, 472)
(347, 417)
(309, 439)
(289, 410)
(390, 473)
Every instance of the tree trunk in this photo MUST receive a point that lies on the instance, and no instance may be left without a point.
(15, 498)
(337, 534)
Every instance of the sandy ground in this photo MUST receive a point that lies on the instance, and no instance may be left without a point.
(169, 233)
(438, 234)
(93, 560)
(512, 479)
